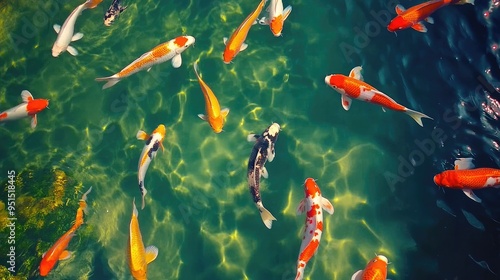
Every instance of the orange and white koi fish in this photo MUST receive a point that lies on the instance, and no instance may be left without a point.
(312, 204)
(414, 16)
(262, 151)
(214, 115)
(138, 256)
(29, 108)
(376, 269)
(468, 178)
(354, 87)
(276, 17)
(65, 33)
(58, 251)
(153, 143)
(236, 43)
(159, 54)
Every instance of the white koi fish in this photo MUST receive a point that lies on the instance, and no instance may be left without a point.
(65, 33)
(312, 205)
(153, 143)
(29, 108)
(159, 54)
(262, 151)
(276, 17)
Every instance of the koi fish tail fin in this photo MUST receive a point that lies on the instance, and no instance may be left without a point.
(266, 216)
(90, 4)
(417, 116)
(461, 2)
(110, 81)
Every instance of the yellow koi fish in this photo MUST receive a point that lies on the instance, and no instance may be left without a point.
(214, 115)
(138, 256)
(236, 43)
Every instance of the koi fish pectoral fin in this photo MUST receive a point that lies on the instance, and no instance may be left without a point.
(420, 27)
(471, 195)
(243, 47)
(264, 173)
(34, 121)
(57, 28)
(65, 255)
(356, 73)
(203, 117)
(151, 253)
(77, 36)
(463, 163)
(72, 51)
(327, 205)
(400, 9)
(302, 207)
(264, 21)
(252, 137)
(346, 101)
(224, 40)
(357, 275)
(224, 112)
(286, 12)
(26, 96)
(177, 61)
(430, 20)
(142, 135)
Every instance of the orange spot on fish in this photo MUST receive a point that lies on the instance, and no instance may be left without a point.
(180, 41)
(3, 116)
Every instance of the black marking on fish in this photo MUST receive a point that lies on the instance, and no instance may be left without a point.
(114, 11)
(153, 149)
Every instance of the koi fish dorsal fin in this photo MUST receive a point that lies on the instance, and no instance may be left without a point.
(142, 135)
(463, 163)
(357, 275)
(65, 255)
(400, 9)
(26, 96)
(151, 253)
(356, 73)
(327, 205)
(302, 207)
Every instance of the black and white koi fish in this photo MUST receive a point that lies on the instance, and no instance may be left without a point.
(114, 10)
(262, 151)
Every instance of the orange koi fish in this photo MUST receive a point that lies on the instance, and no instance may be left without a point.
(29, 108)
(277, 16)
(468, 178)
(236, 43)
(58, 251)
(354, 87)
(215, 116)
(138, 256)
(159, 54)
(376, 269)
(312, 204)
(414, 16)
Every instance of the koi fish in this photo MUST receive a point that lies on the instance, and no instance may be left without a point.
(468, 178)
(215, 116)
(58, 251)
(262, 151)
(414, 16)
(354, 87)
(276, 17)
(311, 204)
(376, 269)
(138, 256)
(153, 143)
(29, 108)
(236, 43)
(159, 54)
(114, 11)
(65, 33)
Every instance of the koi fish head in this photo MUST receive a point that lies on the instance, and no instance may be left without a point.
(56, 50)
(311, 188)
(228, 55)
(444, 179)
(336, 81)
(183, 42)
(380, 258)
(217, 125)
(46, 266)
(276, 25)
(160, 130)
(398, 23)
(36, 106)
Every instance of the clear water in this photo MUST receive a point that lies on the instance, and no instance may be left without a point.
(199, 212)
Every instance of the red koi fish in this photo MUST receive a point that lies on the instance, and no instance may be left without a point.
(58, 251)
(354, 87)
(312, 204)
(466, 178)
(414, 16)
(29, 108)
(376, 269)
